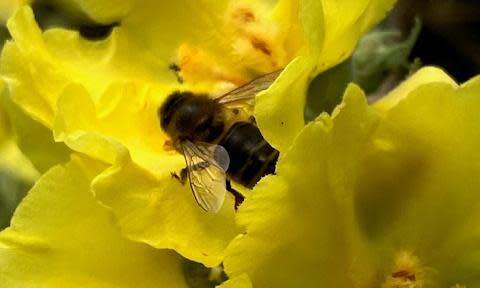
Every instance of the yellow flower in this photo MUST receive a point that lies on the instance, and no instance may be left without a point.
(100, 97)
(387, 197)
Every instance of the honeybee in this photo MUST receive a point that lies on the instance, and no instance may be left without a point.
(214, 149)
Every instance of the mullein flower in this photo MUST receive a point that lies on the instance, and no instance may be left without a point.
(372, 196)
(100, 97)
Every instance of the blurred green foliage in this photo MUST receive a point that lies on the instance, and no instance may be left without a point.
(378, 53)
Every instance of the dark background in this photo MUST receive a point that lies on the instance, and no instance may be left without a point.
(450, 35)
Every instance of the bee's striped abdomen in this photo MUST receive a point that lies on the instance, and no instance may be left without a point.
(251, 157)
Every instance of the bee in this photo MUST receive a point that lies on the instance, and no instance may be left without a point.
(216, 149)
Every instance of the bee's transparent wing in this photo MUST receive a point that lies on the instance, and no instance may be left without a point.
(207, 165)
(245, 95)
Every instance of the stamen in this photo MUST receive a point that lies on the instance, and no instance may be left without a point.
(407, 272)
(261, 45)
(251, 45)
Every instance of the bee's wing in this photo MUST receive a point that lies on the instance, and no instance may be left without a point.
(245, 95)
(207, 165)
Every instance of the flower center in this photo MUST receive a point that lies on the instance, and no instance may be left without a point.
(251, 45)
(407, 272)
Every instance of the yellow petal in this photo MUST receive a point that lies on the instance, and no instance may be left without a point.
(37, 67)
(34, 139)
(418, 188)
(11, 158)
(279, 110)
(296, 221)
(17, 172)
(30, 81)
(4, 122)
(423, 76)
(331, 30)
(163, 213)
(60, 237)
(241, 281)
(98, 11)
(141, 195)
(378, 195)
(125, 115)
(344, 23)
(8, 7)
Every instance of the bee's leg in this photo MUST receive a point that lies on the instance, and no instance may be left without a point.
(238, 196)
(183, 176)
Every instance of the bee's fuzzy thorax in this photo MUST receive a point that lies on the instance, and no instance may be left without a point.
(193, 117)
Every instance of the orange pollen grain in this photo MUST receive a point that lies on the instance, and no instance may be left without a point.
(168, 145)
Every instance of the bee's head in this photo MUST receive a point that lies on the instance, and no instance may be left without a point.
(188, 116)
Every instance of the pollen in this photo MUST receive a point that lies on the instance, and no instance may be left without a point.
(250, 44)
(197, 65)
(257, 39)
(168, 146)
(407, 272)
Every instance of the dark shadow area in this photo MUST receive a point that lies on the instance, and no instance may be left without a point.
(50, 16)
(197, 275)
(96, 32)
(326, 90)
(450, 36)
(12, 191)
(4, 35)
